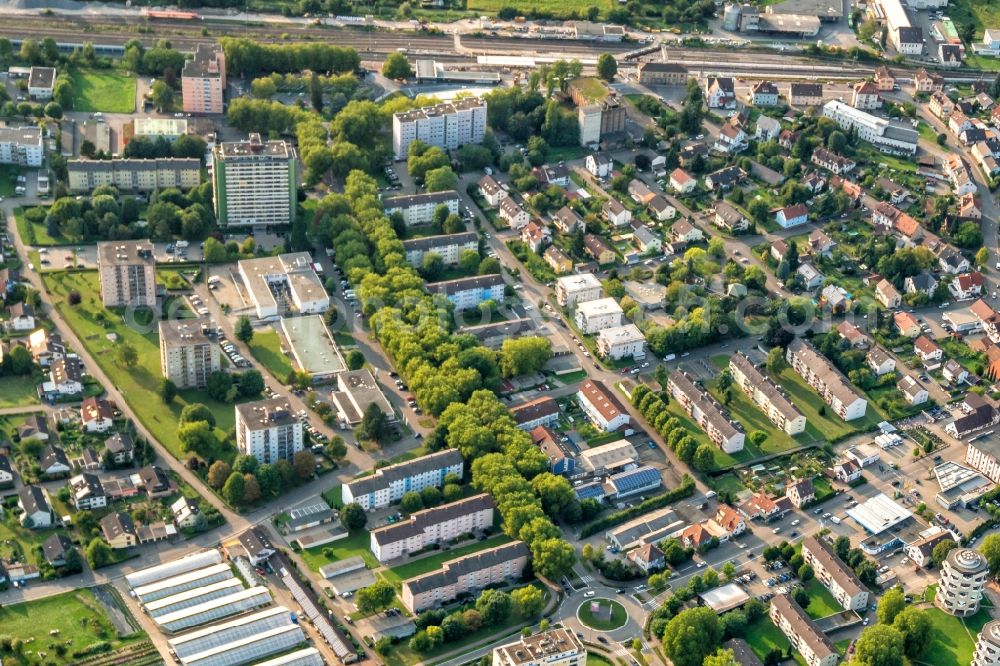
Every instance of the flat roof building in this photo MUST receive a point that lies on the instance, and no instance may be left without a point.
(448, 125)
(133, 174)
(312, 346)
(555, 647)
(187, 355)
(127, 273)
(282, 284)
(611, 457)
(888, 136)
(21, 145)
(254, 182)
(356, 390)
(268, 430)
(203, 80)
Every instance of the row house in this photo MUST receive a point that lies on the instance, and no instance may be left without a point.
(829, 382)
(766, 395)
(710, 416)
(832, 162)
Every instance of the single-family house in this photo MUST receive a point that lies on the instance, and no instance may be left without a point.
(682, 182)
(880, 362)
(616, 213)
(599, 166)
(792, 216)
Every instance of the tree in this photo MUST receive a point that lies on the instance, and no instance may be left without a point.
(251, 489)
(263, 88)
(244, 329)
(374, 425)
(607, 66)
(704, 458)
(218, 385)
(233, 489)
(440, 179)
(218, 473)
(552, 557)
(214, 251)
(250, 383)
(890, 605)
(524, 356)
(721, 658)
(941, 551)
(375, 597)
(806, 573)
(53, 110)
(98, 553)
(353, 517)
(879, 645)
(990, 549)
(197, 437)
(197, 411)
(168, 390)
(304, 464)
(432, 266)
(528, 600)
(126, 355)
(355, 359)
(916, 627)
(692, 635)
(411, 502)
(161, 95)
(396, 66)
(982, 257)
(494, 605)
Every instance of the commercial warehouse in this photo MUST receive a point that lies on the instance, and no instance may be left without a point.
(173, 568)
(183, 583)
(201, 640)
(216, 609)
(192, 598)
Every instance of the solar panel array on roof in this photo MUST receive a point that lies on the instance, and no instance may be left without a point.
(590, 491)
(637, 478)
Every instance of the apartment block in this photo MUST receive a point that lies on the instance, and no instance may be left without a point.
(420, 208)
(988, 644)
(134, 174)
(254, 182)
(964, 574)
(594, 316)
(621, 342)
(268, 430)
(187, 355)
(127, 272)
(432, 526)
(835, 575)
(447, 246)
(465, 575)
(203, 80)
(574, 289)
(766, 395)
(663, 73)
(447, 126)
(389, 484)
(602, 406)
(555, 647)
(22, 146)
(706, 412)
(889, 137)
(802, 632)
(470, 292)
(829, 382)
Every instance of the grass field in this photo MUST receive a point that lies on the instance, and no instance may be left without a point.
(266, 348)
(77, 616)
(356, 543)
(594, 659)
(397, 575)
(17, 392)
(982, 13)
(763, 637)
(104, 91)
(18, 542)
(554, 7)
(93, 324)
(35, 234)
(821, 602)
(809, 403)
(954, 639)
(618, 615)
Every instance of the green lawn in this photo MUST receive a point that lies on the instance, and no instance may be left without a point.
(8, 179)
(77, 616)
(830, 426)
(35, 234)
(18, 542)
(594, 659)
(17, 392)
(356, 543)
(266, 348)
(954, 639)
(174, 279)
(618, 615)
(554, 7)
(763, 637)
(93, 324)
(722, 459)
(104, 91)
(397, 575)
(821, 602)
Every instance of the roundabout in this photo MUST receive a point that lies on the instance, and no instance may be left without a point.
(602, 614)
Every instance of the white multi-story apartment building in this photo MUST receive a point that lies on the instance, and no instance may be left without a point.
(621, 341)
(432, 526)
(706, 412)
(964, 574)
(285, 283)
(465, 575)
(203, 80)
(988, 645)
(983, 454)
(447, 246)
(594, 316)
(41, 81)
(389, 484)
(601, 406)
(447, 125)
(829, 382)
(187, 355)
(268, 430)
(802, 632)
(574, 289)
(887, 136)
(555, 647)
(127, 272)
(134, 174)
(21, 145)
(766, 395)
(835, 575)
(470, 292)
(420, 208)
(254, 182)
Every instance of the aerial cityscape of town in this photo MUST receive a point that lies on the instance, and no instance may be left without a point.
(500, 333)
